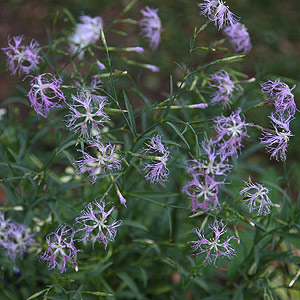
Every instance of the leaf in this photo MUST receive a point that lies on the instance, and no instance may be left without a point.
(65, 146)
(22, 100)
(97, 293)
(131, 284)
(37, 294)
(230, 59)
(132, 125)
(128, 7)
(135, 224)
(172, 97)
(179, 133)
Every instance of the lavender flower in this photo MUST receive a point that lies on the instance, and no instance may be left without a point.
(214, 165)
(61, 249)
(94, 224)
(214, 247)
(277, 139)
(22, 59)
(92, 89)
(257, 196)
(238, 37)
(14, 237)
(17, 241)
(205, 187)
(225, 87)
(157, 171)
(4, 228)
(84, 113)
(218, 12)
(151, 26)
(45, 93)
(230, 132)
(281, 95)
(86, 33)
(104, 158)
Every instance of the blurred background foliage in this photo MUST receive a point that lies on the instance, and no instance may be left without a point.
(272, 24)
(275, 36)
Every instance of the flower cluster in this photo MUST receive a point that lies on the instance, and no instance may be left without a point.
(151, 26)
(257, 196)
(14, 237)
(236, 32)
(22, 59)
(85, 112)
(45, 93)
(204, 187)
(86, 33)
(239, 37)
(277, 138)
(230, 132)
(225, 87)
(214, 247)
(102, 158)
(61, 248)
(218, 12)
(157, 171)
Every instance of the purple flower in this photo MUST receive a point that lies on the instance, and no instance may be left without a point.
(205, 187)
(238, 37)
(225, 87)
(218, 12)
(22, 59)
(61, 249)
(17, 241)
(213, 165)
(151, 26)
(277, 139)
(135, 49)
(281, 95)
(14, 237)
(214, 247)
(257, 196)
(230, 132)
(86, 115)
(86, 33)
(94, 224)
(152, 68)
(101, 159)
(92, 89)
(157, 171)
(4, 228)
(45, 93)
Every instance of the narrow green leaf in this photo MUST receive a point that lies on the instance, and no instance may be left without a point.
(230, 59)
(65, 146)
(132, 125)
(172, 98)
(37, 294)
(179, 133)
(128, 7)
(119, 32)
(70, 16)
(97, 293)
(135, 224)
(131, 284)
